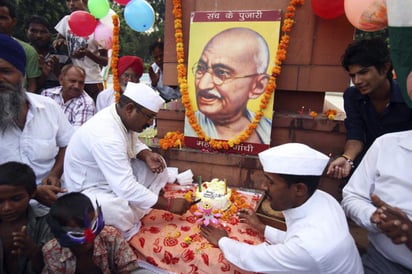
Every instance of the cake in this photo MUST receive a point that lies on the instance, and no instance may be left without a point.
(214, 194)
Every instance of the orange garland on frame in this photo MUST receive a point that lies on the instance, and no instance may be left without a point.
(287, 25)
(115, 57)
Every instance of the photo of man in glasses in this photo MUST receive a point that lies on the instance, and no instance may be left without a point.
(231, 70)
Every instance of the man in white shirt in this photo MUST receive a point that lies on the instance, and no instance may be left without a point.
(317, 239)
(378, 198)
(33, 128)
(76, 104)
(106, 161)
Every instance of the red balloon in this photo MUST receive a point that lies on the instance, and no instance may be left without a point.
(82, 23)
(122, 2)
(328, 9)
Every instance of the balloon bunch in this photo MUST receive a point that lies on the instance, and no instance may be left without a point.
(366, 15)
(139, 15)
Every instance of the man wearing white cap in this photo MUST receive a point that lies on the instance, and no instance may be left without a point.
(106, 161)
(317, 239)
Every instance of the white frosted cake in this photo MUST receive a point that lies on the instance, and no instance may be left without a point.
(214, 194)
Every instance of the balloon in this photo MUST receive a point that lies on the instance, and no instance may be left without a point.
(107, 20)
(139, 15)
(328, 9)
(367, 15)
(103, 35)
(82, 23)
(122, 2)
(98, 8)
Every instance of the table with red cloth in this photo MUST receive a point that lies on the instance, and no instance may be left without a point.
(173, 243)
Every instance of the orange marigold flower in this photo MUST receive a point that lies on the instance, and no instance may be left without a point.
(313, 114)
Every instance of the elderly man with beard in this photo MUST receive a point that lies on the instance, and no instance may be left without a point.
(106, 161)
(228, 74)
(129, 69)
(74, 101)
(33, 129)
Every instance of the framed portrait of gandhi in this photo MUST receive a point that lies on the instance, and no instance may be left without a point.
(231, 54)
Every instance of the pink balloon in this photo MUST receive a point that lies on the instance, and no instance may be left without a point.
(367, 15)
(82, 23)
(328, 9)
(122, 2)
(103, 35)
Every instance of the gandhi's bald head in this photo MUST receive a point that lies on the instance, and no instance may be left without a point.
(247, 41)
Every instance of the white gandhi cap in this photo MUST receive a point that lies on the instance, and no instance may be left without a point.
(293, 159)
(144, 96)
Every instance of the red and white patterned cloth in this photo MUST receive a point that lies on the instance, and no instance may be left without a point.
(173, 242)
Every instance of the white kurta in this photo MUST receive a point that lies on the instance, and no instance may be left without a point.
(386, 171)
(317, 240)
(45, 132)
(97, 164)
(105, 98)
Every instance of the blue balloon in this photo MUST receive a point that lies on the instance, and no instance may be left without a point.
(139, 15)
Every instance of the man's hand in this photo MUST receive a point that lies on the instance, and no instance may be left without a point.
(179, 205)
(392, 221)
(51, 180)
(249, 216)
(80, 53)
(23, 245)
(47, 194)
(212, 234)
(153, 160)
(154, 77)
(339, 168)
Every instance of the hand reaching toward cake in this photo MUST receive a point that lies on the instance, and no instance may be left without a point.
(212, 234)
(179, 205)
(249, 216)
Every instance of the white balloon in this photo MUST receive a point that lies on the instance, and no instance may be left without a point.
(107, 20)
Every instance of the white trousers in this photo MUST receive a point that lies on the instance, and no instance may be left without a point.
(120, 213)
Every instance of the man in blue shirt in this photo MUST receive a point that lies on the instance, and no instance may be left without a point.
(374, 104)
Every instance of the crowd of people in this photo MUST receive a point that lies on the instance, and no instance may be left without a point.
(75, 180)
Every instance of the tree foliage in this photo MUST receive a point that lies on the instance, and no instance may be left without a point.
(131, 42)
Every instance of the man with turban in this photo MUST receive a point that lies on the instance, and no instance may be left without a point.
(130, 69)
(33, 128)
(8, 22)
(106, 161)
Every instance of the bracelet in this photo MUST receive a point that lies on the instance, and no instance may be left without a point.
(349, 160)
(169, 203)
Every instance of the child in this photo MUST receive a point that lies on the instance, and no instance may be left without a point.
(22, 230)
(83, 244)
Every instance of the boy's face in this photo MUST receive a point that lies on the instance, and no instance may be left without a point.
(14, 201)
(81, 249)
(281, 195)
(368, 80)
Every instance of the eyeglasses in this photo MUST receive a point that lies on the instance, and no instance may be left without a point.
(146, 115)
(219, 75)
(132, 77)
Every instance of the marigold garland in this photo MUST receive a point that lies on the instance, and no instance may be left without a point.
(115, 57)
(172, 139)
(281, 53)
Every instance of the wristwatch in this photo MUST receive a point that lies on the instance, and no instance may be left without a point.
(349, 160)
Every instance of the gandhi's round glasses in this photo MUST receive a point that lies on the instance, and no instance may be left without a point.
(220, 75)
